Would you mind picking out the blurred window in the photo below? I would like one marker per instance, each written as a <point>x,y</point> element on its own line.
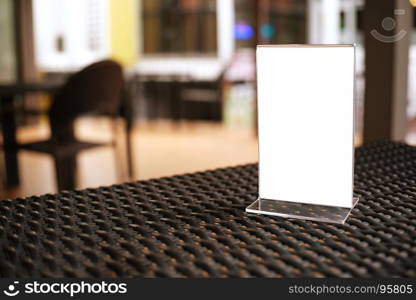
<point>279,21</point>
<point>245,17</point>
<point>70,34</point>
<point>283,22</point>
<point>179,27</point>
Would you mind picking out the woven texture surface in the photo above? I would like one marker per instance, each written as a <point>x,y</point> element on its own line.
<point>195,226</point>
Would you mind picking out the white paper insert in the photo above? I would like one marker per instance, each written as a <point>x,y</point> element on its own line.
<point>306,123</point>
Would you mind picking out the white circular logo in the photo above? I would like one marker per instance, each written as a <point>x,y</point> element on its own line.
<point>11,290</point>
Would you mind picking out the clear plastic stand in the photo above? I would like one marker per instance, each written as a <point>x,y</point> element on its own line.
<point>303,211</point>
<point>306,132</point>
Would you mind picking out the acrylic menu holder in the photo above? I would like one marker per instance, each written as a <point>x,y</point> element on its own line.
<point>306,132</point>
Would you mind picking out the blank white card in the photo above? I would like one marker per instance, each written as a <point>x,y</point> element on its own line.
<point>306,123</point>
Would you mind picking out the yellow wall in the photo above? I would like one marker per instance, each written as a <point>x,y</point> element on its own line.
<point>123,29</point>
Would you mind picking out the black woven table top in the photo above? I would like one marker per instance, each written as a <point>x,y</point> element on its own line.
<point>195,226</point>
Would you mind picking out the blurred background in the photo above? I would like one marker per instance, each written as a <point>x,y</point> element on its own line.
<point>186,98</point>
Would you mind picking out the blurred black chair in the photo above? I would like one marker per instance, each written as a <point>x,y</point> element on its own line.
<point>99,89</point>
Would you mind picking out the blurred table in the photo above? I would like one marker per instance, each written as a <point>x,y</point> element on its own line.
<point>195,226</point>
<point>163,81</point>
<point>8,92</point>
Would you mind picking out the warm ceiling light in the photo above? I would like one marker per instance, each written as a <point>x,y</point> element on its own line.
<point>413,2</point>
